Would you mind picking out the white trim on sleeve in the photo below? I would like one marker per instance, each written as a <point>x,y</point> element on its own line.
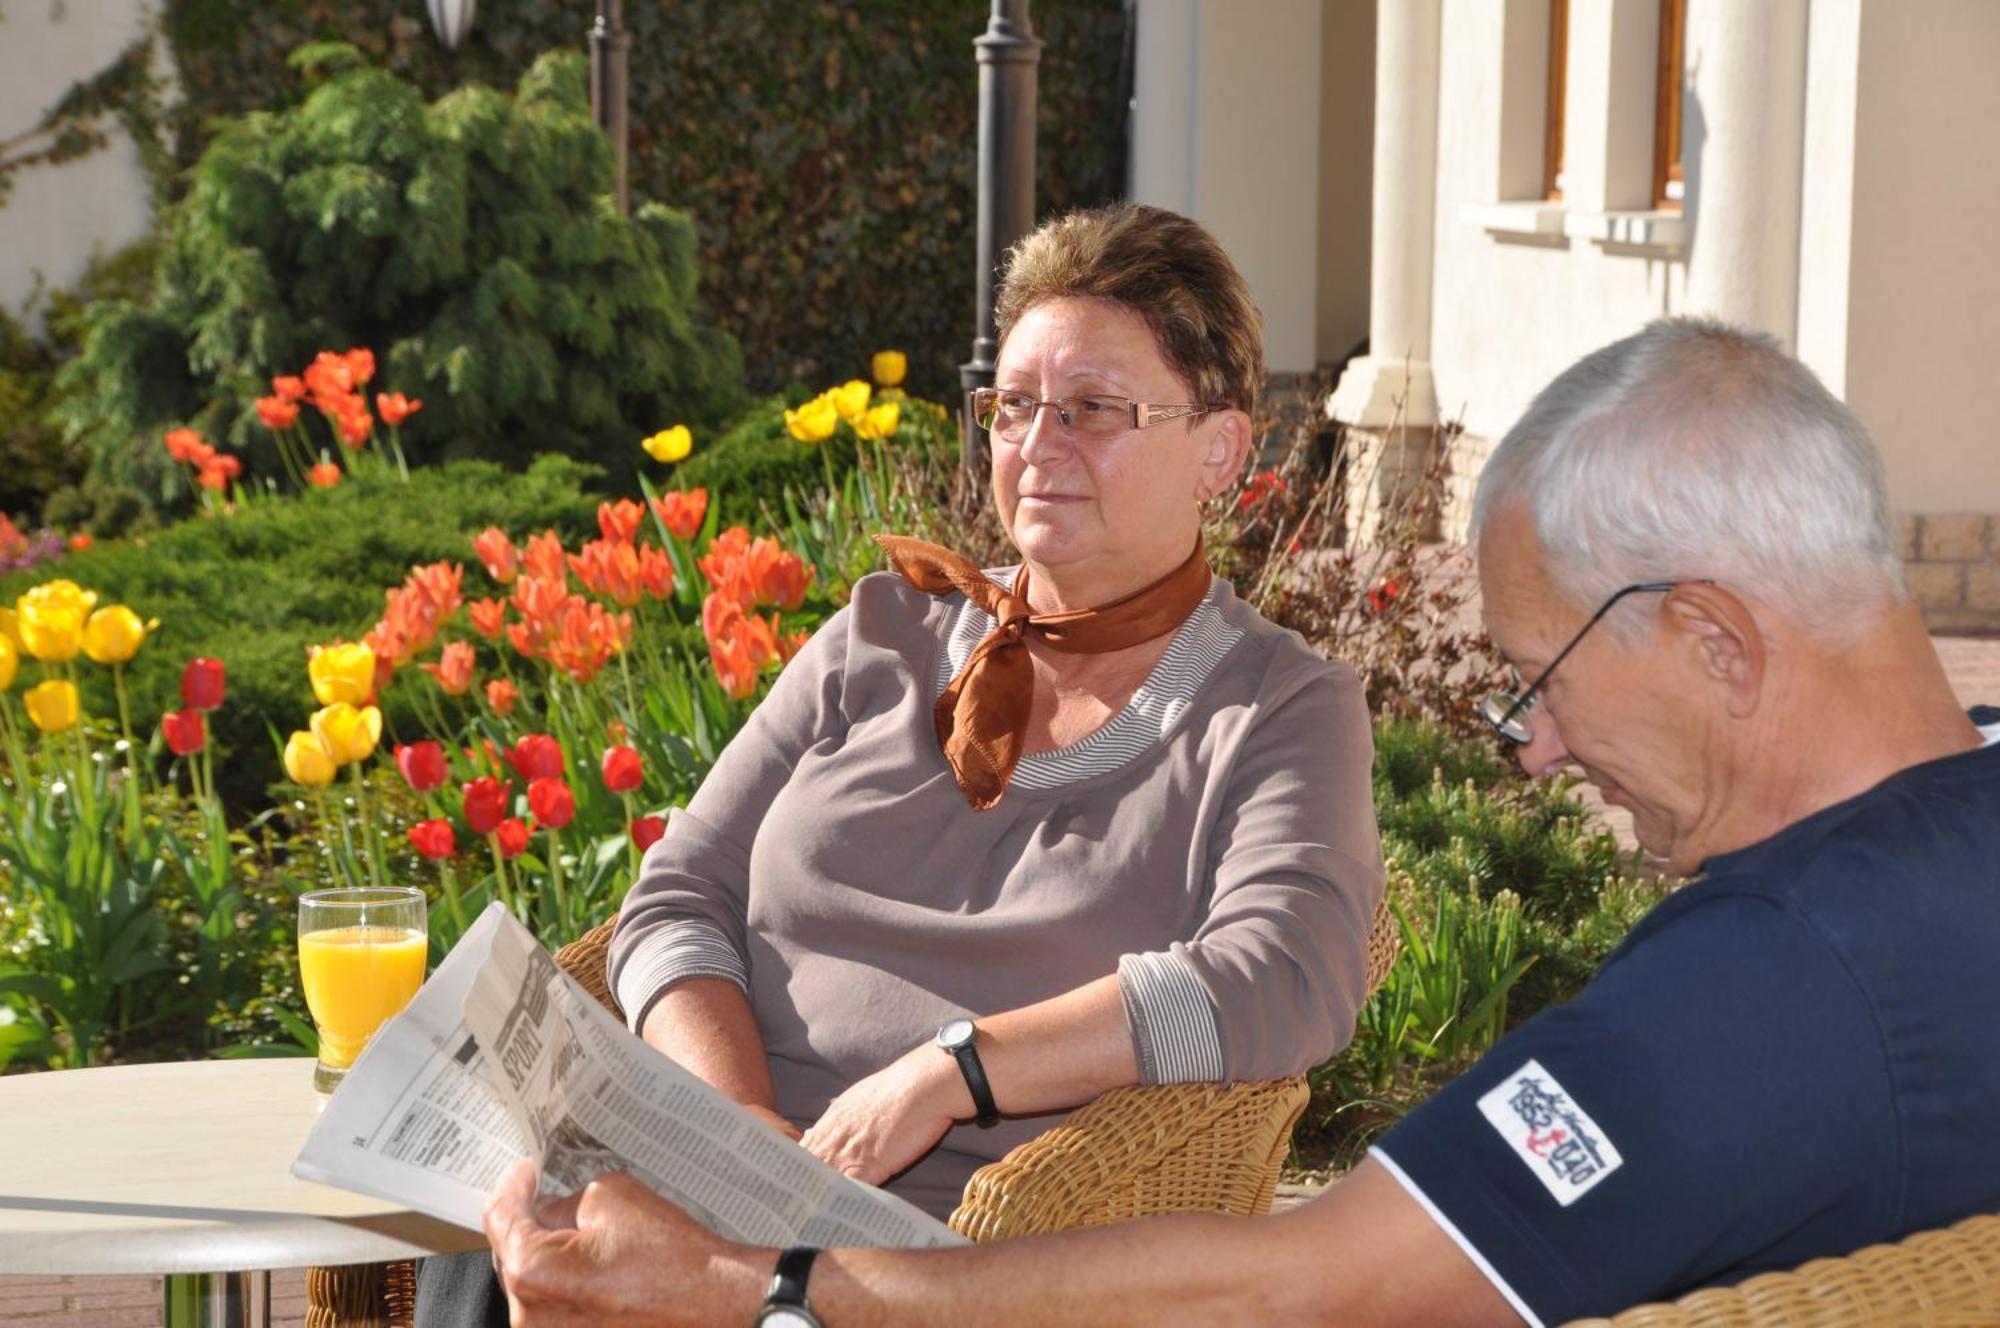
<point>1449,1228</point>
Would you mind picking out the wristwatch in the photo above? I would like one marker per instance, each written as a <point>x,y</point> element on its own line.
<point>785,1304</point>
<point>956,1038</point>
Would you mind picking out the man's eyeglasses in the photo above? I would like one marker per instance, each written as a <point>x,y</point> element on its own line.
<point>1508,712</point>
<point>1009,415</point>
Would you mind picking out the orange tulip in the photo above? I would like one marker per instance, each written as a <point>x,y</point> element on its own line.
<point>775,576</point>
<point>497,553</point>
<point>184,445</point>
<point>324,475</point>
<point>290,388</point>
<point>355,427</point>
<point>656,572</point>
<point>682,513</point>
<point>277,412</point>
<point>394,407</point>
<point>488,617</point>
<point>544,558</point>
<point>360,365</point>
<point>609,569</point>
<point>453,670</point>
<point>218,471</point>
<point>619,521</point>
<point>328,379</point>
<point>501,695</point>
<point>440,584</point>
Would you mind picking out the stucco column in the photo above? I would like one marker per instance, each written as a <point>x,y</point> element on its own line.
<point>1397,366</point>
<point>1743,142</point>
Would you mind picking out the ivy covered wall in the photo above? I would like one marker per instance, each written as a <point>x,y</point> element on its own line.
<point>826,151</point>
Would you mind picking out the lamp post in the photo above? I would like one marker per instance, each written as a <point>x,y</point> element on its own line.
<point>451,20</point>
<point>1008,53</point>
<point>610,46</point>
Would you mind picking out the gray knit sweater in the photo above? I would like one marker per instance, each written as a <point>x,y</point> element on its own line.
<point>1213,844</point>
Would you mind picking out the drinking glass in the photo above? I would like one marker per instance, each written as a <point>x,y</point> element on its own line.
<point>361,959</point>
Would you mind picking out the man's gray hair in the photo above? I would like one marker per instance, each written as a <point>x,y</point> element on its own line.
<point>1695,450</point>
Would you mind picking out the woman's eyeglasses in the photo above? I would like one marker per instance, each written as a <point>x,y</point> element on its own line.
<point>1009,415</point>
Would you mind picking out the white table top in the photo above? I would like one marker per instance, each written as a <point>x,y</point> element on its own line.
<point>183,1168</point>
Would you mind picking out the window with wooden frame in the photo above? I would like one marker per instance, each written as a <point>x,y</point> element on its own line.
<point>1668,177</point>
<point>1552,140</point>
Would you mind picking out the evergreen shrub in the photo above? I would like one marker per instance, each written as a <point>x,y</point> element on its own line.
<point>826,149</point>
<point>255,590</point>
<point>469,242</point>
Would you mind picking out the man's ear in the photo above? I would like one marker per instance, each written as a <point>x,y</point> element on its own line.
<point>1228,448</point>
<point>1728,642</point>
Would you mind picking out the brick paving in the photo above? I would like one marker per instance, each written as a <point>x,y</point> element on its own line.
<point>1972,663</point>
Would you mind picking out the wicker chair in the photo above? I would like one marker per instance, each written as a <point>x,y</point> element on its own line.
<point>1934,1279</point>
<point>1168,1148</point>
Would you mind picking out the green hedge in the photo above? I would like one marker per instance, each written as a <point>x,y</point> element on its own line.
<point>825,150</point>
<point>257,589</point>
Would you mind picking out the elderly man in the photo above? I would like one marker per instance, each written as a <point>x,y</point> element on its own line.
<point>1685,546</point>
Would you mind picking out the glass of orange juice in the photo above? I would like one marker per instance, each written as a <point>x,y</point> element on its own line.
<point>361,959</point>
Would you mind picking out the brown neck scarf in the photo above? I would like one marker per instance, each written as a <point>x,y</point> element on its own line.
<point>982,718</point>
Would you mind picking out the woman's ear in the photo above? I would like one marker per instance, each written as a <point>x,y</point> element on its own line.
<point>1228,448</point>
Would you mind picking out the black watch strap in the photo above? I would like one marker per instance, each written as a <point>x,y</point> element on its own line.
<point>969,1065</point>
<point>788,1283</point>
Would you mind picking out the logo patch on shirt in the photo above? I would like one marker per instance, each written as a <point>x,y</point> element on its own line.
<point>1554,1136</point>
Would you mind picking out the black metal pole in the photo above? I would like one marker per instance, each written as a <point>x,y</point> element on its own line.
<point>609,48</point>
<point>1008,53</point>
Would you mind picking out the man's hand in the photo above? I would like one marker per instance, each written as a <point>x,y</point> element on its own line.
<point>893,1117</point>
<point>614,1252</point>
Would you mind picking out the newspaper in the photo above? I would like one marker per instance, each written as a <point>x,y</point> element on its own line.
<point>502,1055</point>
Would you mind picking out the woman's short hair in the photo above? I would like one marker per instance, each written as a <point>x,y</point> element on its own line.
<point>1696,450</point>
<point>1163,267</point>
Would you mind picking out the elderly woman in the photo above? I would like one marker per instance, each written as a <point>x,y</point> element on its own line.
<point>998,842</point>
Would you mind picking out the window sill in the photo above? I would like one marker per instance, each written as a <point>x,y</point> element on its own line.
<point>1536,220</point>
<point>1652,234</point>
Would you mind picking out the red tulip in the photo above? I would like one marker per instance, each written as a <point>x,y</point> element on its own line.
<point>434,839</point>
<point>622,770</point>
<point>536,756</point>
<point>485,804</point>
<point>646,831</point>
<point>184,731</point>
<point>513,836</point>
<point>202,684</point>
<point>422,764</point>
<point>552,803</point>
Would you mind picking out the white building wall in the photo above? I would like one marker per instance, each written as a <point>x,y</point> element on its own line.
<point>58,216</point>
<point>1226,130</point>
<point>1512,305</point>
<point>1923,316</point>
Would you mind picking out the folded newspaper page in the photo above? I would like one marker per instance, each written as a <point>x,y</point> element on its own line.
<point>502,1055</point>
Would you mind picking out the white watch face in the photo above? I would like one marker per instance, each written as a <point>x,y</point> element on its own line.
<point>785,1316</point>
<point>958,1033</point>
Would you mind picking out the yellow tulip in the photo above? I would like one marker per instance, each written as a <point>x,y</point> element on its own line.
<point>52,706</point>
<point>10,662</point>
<point>348,734</point>
<point>51,618</point>
<point>307,762</point>
<point>851,398</point>
<point>113,635</point>
<point>342,673</point>
<point>879,421</point>
<point>815,421</point>
<point>669,445</point>
<point>10,629</point>
<point>888,367</point>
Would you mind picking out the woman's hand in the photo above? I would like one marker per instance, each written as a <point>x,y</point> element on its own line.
<point>893,1117</point>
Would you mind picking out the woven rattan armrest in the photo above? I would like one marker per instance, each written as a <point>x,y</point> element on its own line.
<point>1949,1278</point>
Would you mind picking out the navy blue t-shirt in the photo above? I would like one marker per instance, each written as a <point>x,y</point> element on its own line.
<point>1790,1058</point>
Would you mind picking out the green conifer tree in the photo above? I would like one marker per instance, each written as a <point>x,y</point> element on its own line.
<point>470,242</point>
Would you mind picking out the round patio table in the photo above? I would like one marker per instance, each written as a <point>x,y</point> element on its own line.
<point>185,1169</point>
